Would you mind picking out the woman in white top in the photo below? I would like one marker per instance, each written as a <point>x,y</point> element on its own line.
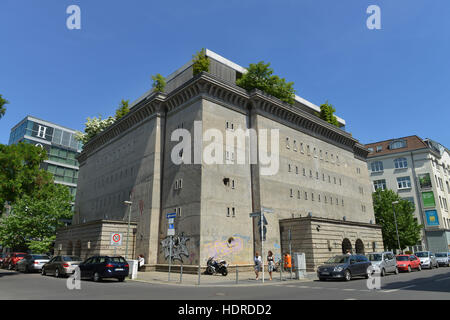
<point>141,261</point>
<point>258,262</point>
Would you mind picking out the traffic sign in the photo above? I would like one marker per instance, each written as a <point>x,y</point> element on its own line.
<point>171,221</point>
<point>171,226</point>
<point>116,239</point>
<point>170,232</point>
<point>171,215</point>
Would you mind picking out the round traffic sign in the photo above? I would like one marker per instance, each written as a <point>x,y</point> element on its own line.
<point>116,237</point>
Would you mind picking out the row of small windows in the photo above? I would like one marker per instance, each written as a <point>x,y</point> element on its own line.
<point>312,151</point>
<point>107,179</point>
<point>402,183</point>
<point>400,163</point>
<point>231,212</point>
<point>317,174</point>
<point>397,144</point>
<point>319,198</point>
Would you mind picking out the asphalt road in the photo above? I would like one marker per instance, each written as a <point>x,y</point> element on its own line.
<point>426,284</point>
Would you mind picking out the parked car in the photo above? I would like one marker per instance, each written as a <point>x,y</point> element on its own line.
<point>427,259</point>
<point>383,261</point>
<point>61,266</point>
<point>100,267</point>
<point>408,262</point>
<point>2,257</point>
<point>32,262</point>
<point>11,259</point>
<point>443,258</point>
<point>344,267</point>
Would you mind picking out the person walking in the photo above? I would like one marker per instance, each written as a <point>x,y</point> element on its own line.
<point>141,261</point>
<point>258,262</point>
<point>270,263</point>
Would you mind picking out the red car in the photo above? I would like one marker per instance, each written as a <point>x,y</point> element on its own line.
<point>407,262</point>
<point>11,259</point>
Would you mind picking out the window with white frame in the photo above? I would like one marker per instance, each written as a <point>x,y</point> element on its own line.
<point>401,163</point>
<point>379,184</point>
<point>397,144</point>
<point>404,182</point>
<point>377,166</point>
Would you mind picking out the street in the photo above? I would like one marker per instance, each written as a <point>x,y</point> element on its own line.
<point>426,284</point>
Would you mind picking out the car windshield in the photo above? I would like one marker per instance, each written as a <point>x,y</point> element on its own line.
<point>40,257</point>
<point>117,259</point>
<point>422,254</point>
<point>71,258</point>
<point>375,257</point>
<point>402,258</point>
<point>338,259</point>
<point>441,255</point>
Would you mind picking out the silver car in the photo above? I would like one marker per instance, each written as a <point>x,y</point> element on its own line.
<point>427,259</point>
<point>443,258</point>
<point>383,262</point>
<point>32,262</point>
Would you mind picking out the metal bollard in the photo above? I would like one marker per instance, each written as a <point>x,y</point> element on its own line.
<point>199,274</point>
<point>181,273</point>
<point>237,275</point>
<point>281,272</point>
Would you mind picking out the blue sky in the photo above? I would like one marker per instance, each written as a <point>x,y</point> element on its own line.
<point>386,83</point>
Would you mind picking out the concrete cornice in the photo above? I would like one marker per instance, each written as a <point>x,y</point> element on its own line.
<point>207,85</point>
<point>334,221</point>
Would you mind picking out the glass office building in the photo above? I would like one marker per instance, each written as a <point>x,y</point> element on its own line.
<point>60,144</point>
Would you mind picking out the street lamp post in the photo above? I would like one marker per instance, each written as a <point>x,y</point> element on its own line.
<point>396,227</point>
<point>128,203</point>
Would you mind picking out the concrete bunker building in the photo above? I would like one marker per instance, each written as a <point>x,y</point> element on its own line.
<point>321,191</point>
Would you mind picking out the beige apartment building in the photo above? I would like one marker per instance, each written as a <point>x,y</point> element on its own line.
<point>316,187</point>
<point>419,171</point>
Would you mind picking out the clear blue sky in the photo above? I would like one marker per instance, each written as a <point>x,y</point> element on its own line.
<point>385,83</point>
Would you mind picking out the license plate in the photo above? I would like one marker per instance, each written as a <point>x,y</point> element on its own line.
<point>325,273</point>
<point>119,269</point>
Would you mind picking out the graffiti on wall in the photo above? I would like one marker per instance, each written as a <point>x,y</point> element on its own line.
<point>221,249</point>
<point>179,248</point>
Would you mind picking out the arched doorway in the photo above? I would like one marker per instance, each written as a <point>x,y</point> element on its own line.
<point>359,246</point>
<point>78,249</point>
<point>346,246</point>
<point>69,248</point>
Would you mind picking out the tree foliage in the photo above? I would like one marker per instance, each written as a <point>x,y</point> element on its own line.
<point>2,106</point>
<point>327,113</point>
<point>34,219</point>
<point>94,126</point>
<point>159,83</point>
<point>201,62</point>
<point>122,110</point>
<point>408,228</point>
<point>20,172</point>
<point>260,76</point>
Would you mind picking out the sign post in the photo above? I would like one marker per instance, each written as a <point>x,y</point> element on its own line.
<point>262,222</point>
<point>116,240</point>
<point>170,232</point>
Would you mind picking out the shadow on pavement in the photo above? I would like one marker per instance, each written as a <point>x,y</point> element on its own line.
<point>5,273</point>
<point>435,283</point>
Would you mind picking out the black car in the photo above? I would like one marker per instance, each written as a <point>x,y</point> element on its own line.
<point>344,267</point>
<point>100,267</point>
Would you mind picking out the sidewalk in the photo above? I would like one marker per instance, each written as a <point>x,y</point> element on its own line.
<point>244,279</point>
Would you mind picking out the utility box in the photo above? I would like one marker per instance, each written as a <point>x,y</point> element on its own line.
<point>299,261</point>
<point>133,268</point>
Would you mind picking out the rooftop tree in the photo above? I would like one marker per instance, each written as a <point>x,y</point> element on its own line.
<point>2,106</point>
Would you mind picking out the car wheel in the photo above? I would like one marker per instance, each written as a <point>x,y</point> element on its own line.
<point>43,271</point>
<point>347,275</point>
<point>437,265</point>
<point>57,275</point>
<point>10,266</point>
<point>409,269</point>
<point>383,272</point>
<point>396,270</point>
<point>321,279</point>
<point>419,268</point>
<point>97,277</point>
<point>121,279</point>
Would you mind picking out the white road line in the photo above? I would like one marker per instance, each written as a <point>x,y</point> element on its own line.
<point>349,289</point>
<point>402,288</point>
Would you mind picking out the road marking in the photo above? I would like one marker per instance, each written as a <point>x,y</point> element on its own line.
<point>351,299</point>
<point>349,289</point>
<point>442,279</point>
<point>402,288</point>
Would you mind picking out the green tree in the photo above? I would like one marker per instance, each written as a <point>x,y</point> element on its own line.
<point>327,113</point>
<point>201,62</point>
<point>122,110</point>
<point>34,219</point>
<point>2,106</point>
<point>159,83</point>
<point>94,126</point>
<point>408,228</point>
<point>260,76</point>
<point>20,173</point>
